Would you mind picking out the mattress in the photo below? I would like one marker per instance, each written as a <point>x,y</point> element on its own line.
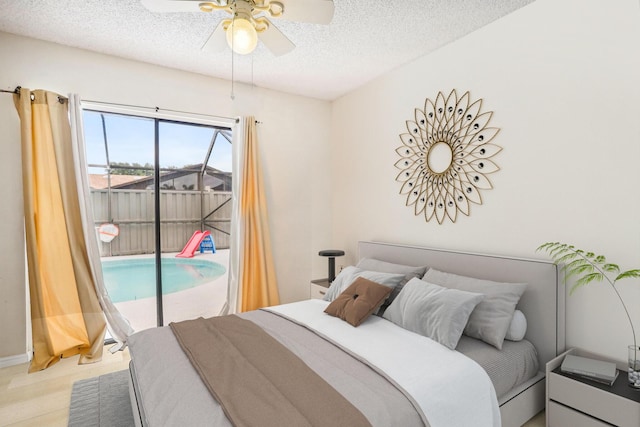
<point>168,391</point>
<point>516,363</point>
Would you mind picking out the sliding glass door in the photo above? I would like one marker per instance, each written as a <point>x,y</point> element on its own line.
<point>160,192</point>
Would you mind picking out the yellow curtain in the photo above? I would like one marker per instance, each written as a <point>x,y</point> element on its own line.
<point>65,313</point>
<point>257,276</point>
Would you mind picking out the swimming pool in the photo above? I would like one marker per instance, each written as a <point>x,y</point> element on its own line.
<point>132,279</point>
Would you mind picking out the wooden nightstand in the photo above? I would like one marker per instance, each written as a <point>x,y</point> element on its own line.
<point>573,401</point>
<point>318,288</point>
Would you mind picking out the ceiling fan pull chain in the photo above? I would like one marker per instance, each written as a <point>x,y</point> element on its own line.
<point>233,96</point>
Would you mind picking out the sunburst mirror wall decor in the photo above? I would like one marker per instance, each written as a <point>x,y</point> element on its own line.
<point>445,156</point>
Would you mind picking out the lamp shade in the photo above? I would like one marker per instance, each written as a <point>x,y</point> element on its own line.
<point>242,36</point>
<point>331,254</point>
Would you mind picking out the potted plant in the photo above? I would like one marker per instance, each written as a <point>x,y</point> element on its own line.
<point>587,267</point>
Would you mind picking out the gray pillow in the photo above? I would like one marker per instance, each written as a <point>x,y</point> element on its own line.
<point>387,267</point>
<point>433,311</point>
<point>348,274</point>
<point>491,318</point>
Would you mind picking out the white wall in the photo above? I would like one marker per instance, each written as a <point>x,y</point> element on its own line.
<point>563,80</point>
<point>293,145</point>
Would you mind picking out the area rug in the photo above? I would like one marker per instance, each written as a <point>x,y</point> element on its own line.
<point>101,401</point>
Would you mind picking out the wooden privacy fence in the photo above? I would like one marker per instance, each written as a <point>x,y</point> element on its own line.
<point>181,213</point>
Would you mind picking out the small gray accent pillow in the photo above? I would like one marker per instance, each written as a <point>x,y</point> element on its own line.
<point>491,318</point>
<point>409,272</point>
<point>348,274</point>
<point>433,311</point>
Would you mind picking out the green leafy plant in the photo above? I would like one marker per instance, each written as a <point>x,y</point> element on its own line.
<point>587,267</point>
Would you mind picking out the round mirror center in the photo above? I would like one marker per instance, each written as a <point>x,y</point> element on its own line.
<point>440,157</point>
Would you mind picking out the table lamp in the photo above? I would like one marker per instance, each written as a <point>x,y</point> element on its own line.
<point>331,254</point>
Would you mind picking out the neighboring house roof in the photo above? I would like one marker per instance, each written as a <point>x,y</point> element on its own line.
<point>99,181</point>
<point>214,178</point>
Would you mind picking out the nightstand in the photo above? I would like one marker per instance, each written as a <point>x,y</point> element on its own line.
<point>318,288</point>
<point>573,401</point>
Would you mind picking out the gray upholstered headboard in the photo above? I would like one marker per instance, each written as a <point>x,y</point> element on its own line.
<point>542,302</point>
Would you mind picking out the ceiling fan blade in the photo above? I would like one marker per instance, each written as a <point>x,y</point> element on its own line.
<point>217,41</point>
<point>172,5</point>
<point>276,41</point>
<point>312,11</point>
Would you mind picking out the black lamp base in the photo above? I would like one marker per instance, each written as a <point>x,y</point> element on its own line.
<point>331,254</point>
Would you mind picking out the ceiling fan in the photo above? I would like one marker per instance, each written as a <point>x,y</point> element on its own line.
<point>248,21</point>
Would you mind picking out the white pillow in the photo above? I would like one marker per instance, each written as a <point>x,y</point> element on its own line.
<point>433,311</point>
<point>517,328</point>
<point>349,274</point>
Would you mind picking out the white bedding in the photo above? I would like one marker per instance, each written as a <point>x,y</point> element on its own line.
<point>449,388</point>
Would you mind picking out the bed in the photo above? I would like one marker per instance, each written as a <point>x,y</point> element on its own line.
<point>356,363</point>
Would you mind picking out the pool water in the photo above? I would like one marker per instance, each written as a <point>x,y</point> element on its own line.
<point>132,279</point>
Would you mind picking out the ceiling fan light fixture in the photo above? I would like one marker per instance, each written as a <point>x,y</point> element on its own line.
<point>242,36</point>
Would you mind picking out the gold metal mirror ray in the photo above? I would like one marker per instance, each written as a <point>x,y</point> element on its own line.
<point>445,156</point>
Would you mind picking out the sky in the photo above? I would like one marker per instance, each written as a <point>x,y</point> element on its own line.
<point>130,140</point>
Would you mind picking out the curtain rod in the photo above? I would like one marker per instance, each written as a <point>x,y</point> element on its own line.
<point>156,109</point>
<point>16,91</point>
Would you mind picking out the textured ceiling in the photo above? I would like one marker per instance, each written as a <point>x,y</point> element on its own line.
<point>360,44</point>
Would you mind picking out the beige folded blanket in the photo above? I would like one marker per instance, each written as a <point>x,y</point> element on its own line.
<point>256,380</point>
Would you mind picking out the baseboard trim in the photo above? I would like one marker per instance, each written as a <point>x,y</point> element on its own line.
<point>13,360</point>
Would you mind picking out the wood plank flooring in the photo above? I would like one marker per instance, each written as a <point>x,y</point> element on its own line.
<point>42,398</point>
